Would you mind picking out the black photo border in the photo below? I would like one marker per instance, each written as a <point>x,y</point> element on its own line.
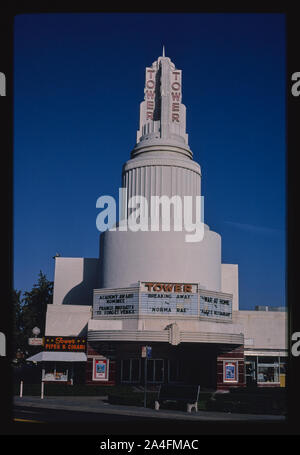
<point>138,431</point>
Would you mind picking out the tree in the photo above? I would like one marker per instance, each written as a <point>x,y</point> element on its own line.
<point>30,311</point>
<point>18,335</point>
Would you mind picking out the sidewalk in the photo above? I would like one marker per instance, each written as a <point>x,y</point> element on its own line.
<point>99,405</point>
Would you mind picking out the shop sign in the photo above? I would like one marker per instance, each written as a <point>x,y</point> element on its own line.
<point>65,344</point>
<point>36,341</point>
<point>100,369</point>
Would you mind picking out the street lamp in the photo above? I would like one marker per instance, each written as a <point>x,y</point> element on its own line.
<point>36,331</point>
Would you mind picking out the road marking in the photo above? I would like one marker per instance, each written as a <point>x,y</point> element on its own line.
<point>25,420</point>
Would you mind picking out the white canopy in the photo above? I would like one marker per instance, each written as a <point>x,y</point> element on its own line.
<point>50,356</point>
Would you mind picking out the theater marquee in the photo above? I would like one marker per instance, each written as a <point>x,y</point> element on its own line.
<point>169,299</point>
<point>163,299</point>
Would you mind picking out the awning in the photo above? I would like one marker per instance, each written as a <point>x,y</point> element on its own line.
<point>49,356</point>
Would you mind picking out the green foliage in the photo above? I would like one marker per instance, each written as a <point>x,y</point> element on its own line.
<point>18,334</point>
<point>30,311</point>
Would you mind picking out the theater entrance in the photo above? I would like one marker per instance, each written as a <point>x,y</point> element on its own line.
<point>186,363</point>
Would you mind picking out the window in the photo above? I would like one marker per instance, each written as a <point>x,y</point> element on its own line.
<point>155,370</point>
<point>283,365</point>
<point>55,372</point>
<point>159,371</point>
<point>175,371</point>
<point>135,370</point>
<point>268,373</point>
<point>130,370</point>
<point>268,370</point>
<point>268,360</point>
<point>282,370</point>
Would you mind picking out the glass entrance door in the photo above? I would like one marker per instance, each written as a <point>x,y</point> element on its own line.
<point>174,371</point>
<point>130,370</point>
<point>251,376</point>
<point>155,370</point>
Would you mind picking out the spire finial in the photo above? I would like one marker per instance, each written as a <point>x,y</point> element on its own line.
<point>163,54</point>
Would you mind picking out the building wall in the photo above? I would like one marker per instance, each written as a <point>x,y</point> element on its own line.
<point>74,280</point>
<point>263,329</point>
<point>128,257</point>
<point>230,282</point>
<point>161,322</point>
<point>67,320</point>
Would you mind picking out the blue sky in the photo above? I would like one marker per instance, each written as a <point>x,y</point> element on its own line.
<point>78,82</point>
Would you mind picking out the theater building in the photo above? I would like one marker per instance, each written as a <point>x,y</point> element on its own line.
<point>153,287</point>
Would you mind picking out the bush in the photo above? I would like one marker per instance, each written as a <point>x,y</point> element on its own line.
<point>260,401</point>
<point>134,399</point>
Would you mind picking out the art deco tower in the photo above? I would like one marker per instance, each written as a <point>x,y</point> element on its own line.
<point>161,164</point>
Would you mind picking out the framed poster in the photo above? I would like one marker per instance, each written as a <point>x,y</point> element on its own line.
<point>230,371</point>
<point>100,369</point>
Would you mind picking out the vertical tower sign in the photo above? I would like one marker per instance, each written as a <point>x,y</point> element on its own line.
<point>162,115</point>
<point>175,95</point>
<point>150,92</point>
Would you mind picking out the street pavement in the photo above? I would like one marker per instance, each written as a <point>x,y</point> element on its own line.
<point>79,408</point>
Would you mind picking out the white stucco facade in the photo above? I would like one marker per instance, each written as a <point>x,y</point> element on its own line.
<point>230,282</point>
<point>67,320</point>
<point>264,331</point>
<point>73,280</point>
<point>128,257</point>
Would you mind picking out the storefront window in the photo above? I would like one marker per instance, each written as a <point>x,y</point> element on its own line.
<point>155,370</point>
<point>55,371</point>
<point>283,365</point>
<point>174,370</point>
<point>130,371</point>
<point>159,370</point>
<point>268,360</point>
<point>125,370</point>
<point>135,370</point>
<point>150,370</point>
<point>268,370</point>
